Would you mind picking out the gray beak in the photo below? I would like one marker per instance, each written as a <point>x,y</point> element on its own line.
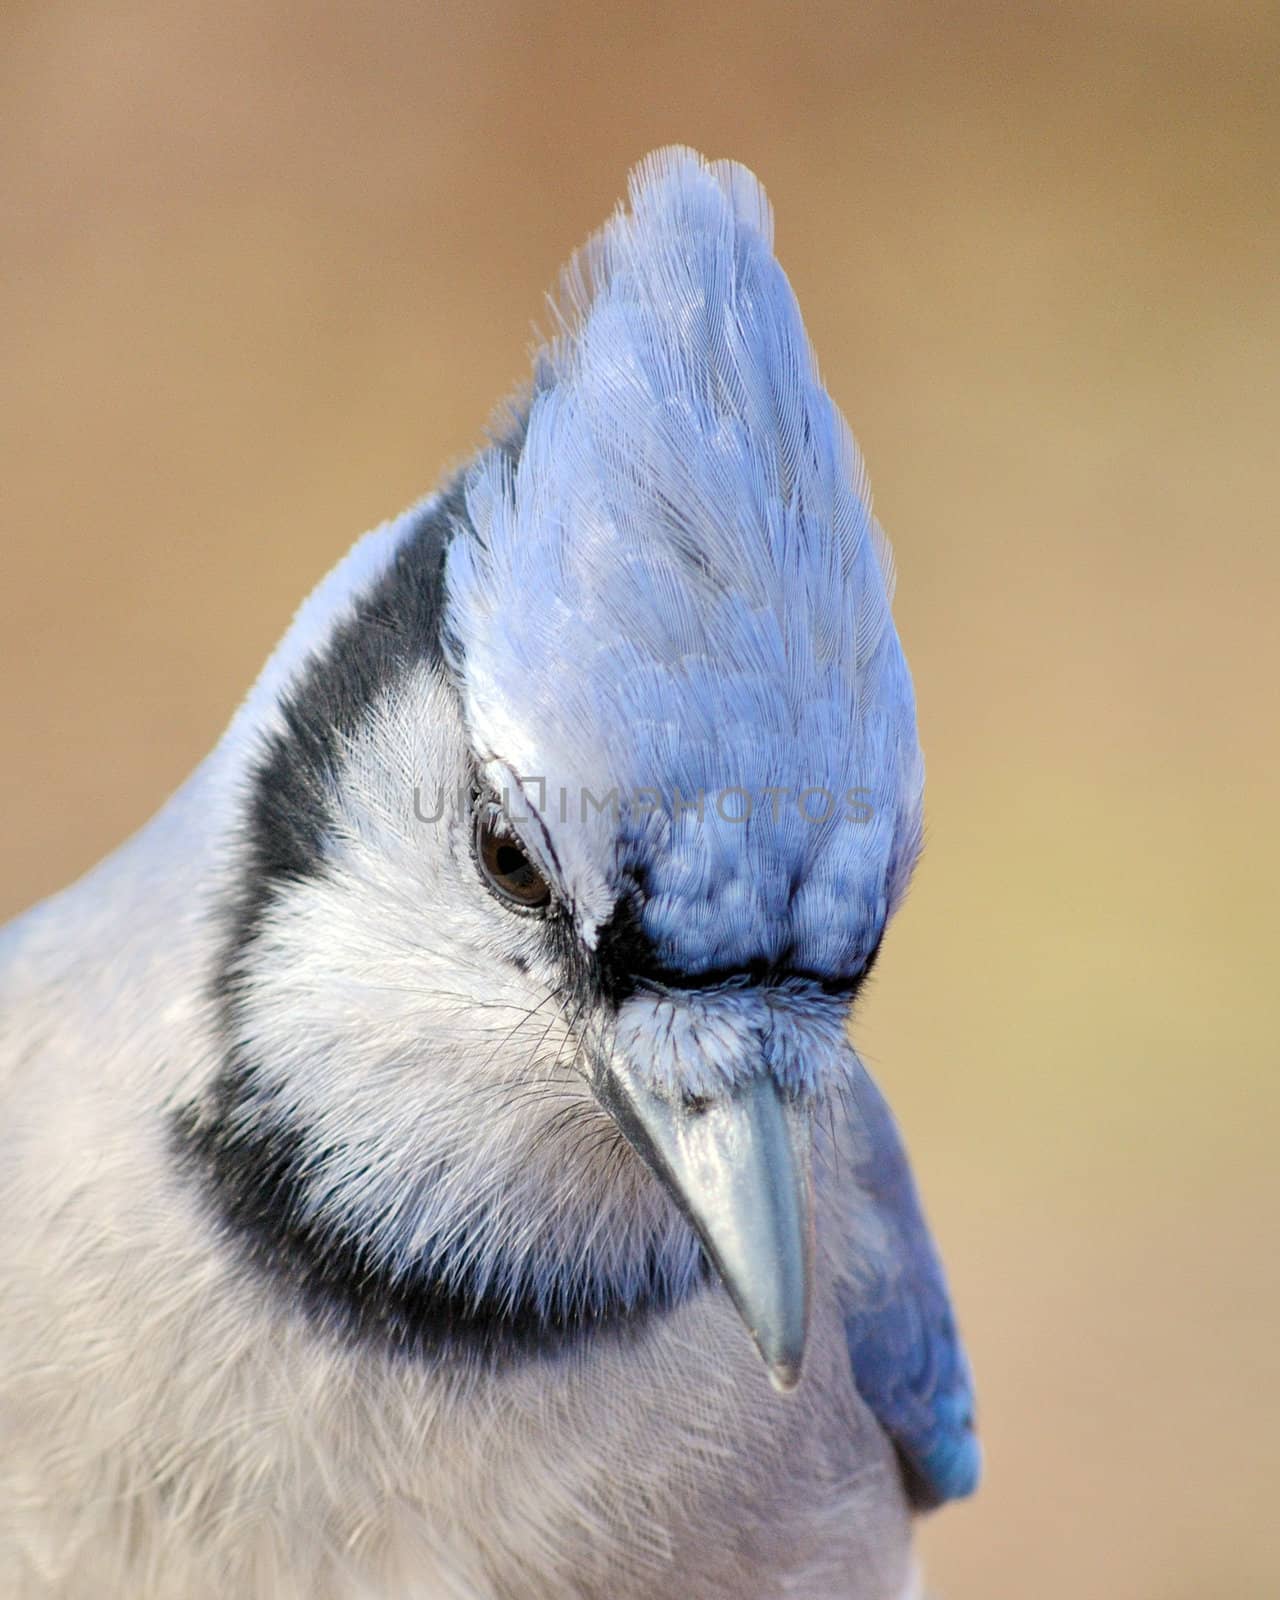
<point>739,1167</point>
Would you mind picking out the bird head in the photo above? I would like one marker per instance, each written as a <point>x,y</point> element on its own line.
<point>575,807</point>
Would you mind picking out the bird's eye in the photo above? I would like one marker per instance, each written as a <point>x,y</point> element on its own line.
<point>504,865</point>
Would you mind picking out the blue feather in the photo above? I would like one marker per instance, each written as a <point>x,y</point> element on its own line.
<point>908,1362</point>
<point>679,587</point>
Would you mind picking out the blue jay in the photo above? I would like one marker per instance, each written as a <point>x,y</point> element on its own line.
<point>433,1162</point>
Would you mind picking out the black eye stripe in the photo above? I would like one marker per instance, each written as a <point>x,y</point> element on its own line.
<point>626,960</point>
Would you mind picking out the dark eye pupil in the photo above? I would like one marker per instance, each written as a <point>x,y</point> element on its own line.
<point>505,867</point>
<point>510,862</point>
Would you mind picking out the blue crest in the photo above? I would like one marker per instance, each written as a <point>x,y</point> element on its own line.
<point>675,610</point>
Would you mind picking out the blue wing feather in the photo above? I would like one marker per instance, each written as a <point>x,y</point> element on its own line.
<point>908,1362</point>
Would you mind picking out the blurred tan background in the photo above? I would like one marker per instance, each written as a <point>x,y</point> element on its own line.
<point>266,269</point>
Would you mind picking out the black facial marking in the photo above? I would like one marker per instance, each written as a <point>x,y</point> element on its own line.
<point>624,951</point>
<point>256,1171</point>
<point>626,960</point>
<point>252,1163</point>
<point>393,628</point>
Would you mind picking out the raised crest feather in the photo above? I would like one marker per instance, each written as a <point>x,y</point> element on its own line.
<point>679,581</point>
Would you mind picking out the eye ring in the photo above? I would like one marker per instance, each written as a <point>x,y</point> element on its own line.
<point>504,865</point>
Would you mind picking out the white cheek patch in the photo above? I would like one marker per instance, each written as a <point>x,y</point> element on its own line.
<point>437,1082</point>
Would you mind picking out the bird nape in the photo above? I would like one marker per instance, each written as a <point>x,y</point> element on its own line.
<point>434,1158</point>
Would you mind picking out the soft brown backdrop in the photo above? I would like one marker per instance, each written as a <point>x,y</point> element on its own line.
<point>268,266</point>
